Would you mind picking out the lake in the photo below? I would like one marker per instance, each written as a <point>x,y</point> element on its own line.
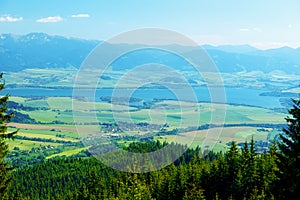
<point>241,96</point>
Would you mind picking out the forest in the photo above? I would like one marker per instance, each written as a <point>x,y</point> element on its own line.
<point>149,100</point>
<point>239,173</point>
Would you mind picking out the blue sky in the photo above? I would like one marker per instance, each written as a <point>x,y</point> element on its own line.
<point>261,23</point>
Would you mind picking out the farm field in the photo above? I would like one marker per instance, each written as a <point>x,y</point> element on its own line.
<point>60,109</point>
<point>27,145</point>
<point>65,78</point>
<point>217,139</point>
<point>55,123</point>
<point>68,152</point>
<point>105,100</point>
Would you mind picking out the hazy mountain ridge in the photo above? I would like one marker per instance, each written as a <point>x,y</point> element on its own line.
<point>39,50</point>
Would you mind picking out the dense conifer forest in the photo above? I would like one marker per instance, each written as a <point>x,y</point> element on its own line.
<point>239,173</point>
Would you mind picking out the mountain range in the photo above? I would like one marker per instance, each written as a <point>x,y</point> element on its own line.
<point>40,50</point>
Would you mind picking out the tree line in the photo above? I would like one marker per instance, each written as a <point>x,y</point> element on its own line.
<point>235,174</point>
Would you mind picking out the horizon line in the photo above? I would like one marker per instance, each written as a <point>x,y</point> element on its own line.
<point>200,44</point>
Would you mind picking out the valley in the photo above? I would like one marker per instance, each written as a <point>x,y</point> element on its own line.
<point>257,95</point>
<point>149,100</point>
<point>54,132</point>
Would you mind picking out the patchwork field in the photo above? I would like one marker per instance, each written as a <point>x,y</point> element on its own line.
<point>28,144</point>
<point>218,138</point>
<point>60,109</point>
<point>54,121</point>
<point>68,152</point>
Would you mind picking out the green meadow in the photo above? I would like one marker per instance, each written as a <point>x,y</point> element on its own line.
<point>55,121</point>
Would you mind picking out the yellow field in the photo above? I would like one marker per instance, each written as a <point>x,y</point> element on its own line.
<point>67,153</point>
<point>216,138</point>
<point>175,114</point>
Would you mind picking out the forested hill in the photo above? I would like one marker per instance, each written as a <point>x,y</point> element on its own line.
<point>234,175</point>
<point>39,50</point>
<point>239,173</point>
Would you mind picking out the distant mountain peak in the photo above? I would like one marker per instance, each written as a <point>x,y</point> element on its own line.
<point>243,48</point>
<point>42,37</point>
<point>40,50</point>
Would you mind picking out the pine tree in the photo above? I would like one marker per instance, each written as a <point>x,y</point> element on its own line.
<point>289,158</point>
<point>252,184</point>
<point>268,170</point>
<point>247,172</point>
<point>221,177</point>
<point>134,189</point>
<point>233,176</point>
<point>4,135</point>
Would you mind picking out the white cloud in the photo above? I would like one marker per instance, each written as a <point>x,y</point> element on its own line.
<point>81,16</point>
<point>294,25</point>
<point>244,29</point>
<point>7,18</point>
<point>256,29</point>
<point>50,19</point>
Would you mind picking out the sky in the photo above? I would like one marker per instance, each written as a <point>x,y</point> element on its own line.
<point>260,23</point>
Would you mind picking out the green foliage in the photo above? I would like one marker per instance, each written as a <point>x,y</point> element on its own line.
<point>5,118</point>
<point>289,158</point>
<point>235,174</point>
<point>217,176</point>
